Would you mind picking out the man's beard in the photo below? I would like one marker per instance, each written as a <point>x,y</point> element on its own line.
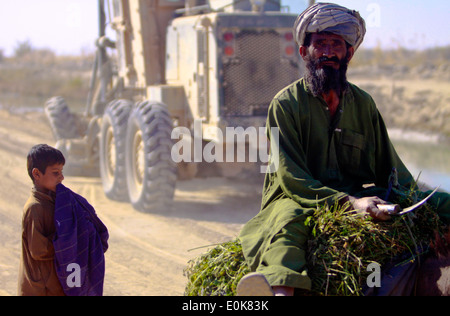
<point>323,79</point>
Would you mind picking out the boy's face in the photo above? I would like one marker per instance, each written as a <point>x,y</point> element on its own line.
<point>52,177</point>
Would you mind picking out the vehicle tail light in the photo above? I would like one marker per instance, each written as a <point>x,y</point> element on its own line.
<point>288,45</point>
<point>229,44</point>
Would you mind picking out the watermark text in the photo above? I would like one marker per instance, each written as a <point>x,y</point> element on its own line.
<point>240,145</point>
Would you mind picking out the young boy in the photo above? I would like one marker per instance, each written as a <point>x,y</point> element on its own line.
<point>63,240</point>
<point>37,274</point>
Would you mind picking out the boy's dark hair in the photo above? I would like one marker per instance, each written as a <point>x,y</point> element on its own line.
<point>41,156</point>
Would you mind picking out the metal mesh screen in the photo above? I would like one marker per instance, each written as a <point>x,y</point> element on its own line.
<point>256,73</point>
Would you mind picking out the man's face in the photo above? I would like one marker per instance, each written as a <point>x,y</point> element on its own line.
<point>329,49</point>
<point>326,60</point>
<point>50,179</point>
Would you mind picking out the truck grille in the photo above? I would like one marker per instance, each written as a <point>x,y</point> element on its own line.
<point>256,72</point>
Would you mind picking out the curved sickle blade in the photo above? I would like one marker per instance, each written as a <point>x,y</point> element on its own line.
<point>412,208</point>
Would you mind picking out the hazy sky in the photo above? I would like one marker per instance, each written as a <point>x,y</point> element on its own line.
<point>68,26</point>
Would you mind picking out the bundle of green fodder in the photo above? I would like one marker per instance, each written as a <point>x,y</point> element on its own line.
<point>341,246</point>
<point>217,272</point>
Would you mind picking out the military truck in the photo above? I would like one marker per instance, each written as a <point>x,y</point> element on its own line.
<point>163,65</point>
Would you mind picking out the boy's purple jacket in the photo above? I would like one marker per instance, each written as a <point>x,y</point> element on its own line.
<point>81,239</point>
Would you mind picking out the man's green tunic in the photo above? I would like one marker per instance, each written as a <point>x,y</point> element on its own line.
<point>321,160</point>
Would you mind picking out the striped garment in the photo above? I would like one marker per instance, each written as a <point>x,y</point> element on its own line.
<point>80,242</point>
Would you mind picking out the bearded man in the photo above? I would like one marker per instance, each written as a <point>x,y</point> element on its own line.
<point>333,144</point>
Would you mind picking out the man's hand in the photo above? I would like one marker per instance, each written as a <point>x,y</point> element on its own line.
<point>369,205</point>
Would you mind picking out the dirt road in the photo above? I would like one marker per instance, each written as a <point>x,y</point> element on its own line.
<point>148,252</point>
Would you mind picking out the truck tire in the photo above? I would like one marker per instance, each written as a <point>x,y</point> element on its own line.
<point>63,123</point>
<point>112,149</point>
<point>151,172</point>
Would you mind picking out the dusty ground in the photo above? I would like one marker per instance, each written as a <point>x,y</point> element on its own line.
<point>148,252</point>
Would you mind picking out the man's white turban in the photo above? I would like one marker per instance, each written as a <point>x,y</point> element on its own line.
<point>333,18</point>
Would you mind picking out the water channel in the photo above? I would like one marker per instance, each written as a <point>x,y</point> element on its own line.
<point>428,160</point>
